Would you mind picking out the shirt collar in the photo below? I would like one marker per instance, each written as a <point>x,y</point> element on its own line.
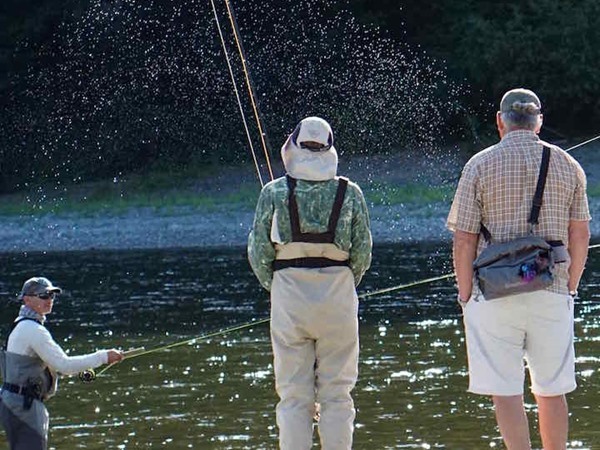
<point>521,135</point>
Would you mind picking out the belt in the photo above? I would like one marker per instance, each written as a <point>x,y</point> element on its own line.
<point>26,391</point>
<point>308,263</point>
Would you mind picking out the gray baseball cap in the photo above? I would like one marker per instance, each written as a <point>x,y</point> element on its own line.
<point>521,101</point>
<point>38,285</point>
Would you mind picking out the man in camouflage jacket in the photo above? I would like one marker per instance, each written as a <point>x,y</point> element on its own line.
<point>310,246</point>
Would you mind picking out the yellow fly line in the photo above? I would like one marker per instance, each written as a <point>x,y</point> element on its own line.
<point>405,286</point>
<point>89,375</point>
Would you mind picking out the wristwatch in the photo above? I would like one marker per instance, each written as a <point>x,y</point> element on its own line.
<point>573,294</point>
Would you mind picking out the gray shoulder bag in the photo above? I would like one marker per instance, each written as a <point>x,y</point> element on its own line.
<point>522,265</point>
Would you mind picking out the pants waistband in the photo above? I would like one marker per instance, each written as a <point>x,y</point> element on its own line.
<point>308,263</point>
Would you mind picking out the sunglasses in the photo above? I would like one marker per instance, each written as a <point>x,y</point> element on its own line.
<point>46,296</point>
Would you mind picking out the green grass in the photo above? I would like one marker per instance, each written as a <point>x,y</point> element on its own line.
<point>162,192</point>
<point>167,192</point>
<point>388,194</point>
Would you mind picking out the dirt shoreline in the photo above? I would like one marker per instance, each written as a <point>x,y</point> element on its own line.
<point>144,229</point>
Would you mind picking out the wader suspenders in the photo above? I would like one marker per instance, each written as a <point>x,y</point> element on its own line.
<point>14,325</point>
<point>29,392</point>
<point>327,237</point>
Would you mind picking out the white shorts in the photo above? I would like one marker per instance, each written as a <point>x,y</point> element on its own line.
<point>503,334</point>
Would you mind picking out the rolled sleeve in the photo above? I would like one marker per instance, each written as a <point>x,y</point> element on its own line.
<point>579,207</point>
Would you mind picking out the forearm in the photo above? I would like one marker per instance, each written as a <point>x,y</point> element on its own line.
<point>264,275</point>
<point>362,241</point>
<point>360,261</point>
<point>579,239</point>
<point>261,255</point>
<point>464,251</point>
<point>53,355</point>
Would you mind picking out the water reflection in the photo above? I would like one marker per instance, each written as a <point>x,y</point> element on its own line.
<point>218,392</point>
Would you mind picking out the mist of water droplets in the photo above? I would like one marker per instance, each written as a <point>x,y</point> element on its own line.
<point>128,84</point>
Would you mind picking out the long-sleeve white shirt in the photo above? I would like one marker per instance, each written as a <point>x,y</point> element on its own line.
<point>32,339</point>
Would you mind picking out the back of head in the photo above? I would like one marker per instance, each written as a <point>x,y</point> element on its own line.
<point>308,153</point>
<point>521,109</point>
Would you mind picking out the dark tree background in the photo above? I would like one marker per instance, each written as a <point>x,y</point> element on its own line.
<point>551,46</point>
<point>92,89</point>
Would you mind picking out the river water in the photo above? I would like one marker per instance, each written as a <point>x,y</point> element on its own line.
<point>218,393</point>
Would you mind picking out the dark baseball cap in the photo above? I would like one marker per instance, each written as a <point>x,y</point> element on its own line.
<point>521,101</point>
<point>38,285</point>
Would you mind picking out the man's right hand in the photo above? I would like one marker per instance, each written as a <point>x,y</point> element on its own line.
<point>115,356</point>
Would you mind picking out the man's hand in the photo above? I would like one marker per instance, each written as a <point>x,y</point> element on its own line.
<point>115,356</point>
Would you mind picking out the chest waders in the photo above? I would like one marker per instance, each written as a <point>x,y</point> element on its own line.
<point>27,383</point>
<point>314,333</point>
<point>328,237</point>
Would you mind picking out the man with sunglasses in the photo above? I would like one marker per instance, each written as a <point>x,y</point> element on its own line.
<point>310,246</point>
<point>30,363</point>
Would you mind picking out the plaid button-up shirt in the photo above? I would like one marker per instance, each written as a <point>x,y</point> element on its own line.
<point>496,189</point>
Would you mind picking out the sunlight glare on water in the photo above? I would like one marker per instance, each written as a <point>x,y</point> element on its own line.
<point>411,391</point>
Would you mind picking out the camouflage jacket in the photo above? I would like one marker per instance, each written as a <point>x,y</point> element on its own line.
<point>315,202</point>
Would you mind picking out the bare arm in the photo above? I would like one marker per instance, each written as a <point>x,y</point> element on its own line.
<point>579,240</point>
<point>464,251</point>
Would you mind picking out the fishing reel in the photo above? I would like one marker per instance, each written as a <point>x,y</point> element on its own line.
<point>87,376</point>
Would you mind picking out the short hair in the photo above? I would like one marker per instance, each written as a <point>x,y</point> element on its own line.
<point>520,109</point>
<point>513,120</point>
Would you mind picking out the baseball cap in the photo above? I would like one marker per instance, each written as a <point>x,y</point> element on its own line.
<point>313,129</point>
<point>38,285</point>
<point>522,101</point>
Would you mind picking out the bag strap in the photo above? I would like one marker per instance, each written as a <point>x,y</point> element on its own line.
<point>14,325</point>
<point>539,189</point>
<point>537,197</point>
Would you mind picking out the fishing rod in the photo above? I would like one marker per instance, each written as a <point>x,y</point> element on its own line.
<point>237,94</point>
<point>583,143</point>
<point>90,375</point>
<point>249,84</point>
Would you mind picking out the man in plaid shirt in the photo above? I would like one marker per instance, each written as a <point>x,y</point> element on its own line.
<point>496,190</point>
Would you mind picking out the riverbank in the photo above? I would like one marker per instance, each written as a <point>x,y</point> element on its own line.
<point>408,197</point>
<point>184,227</point>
